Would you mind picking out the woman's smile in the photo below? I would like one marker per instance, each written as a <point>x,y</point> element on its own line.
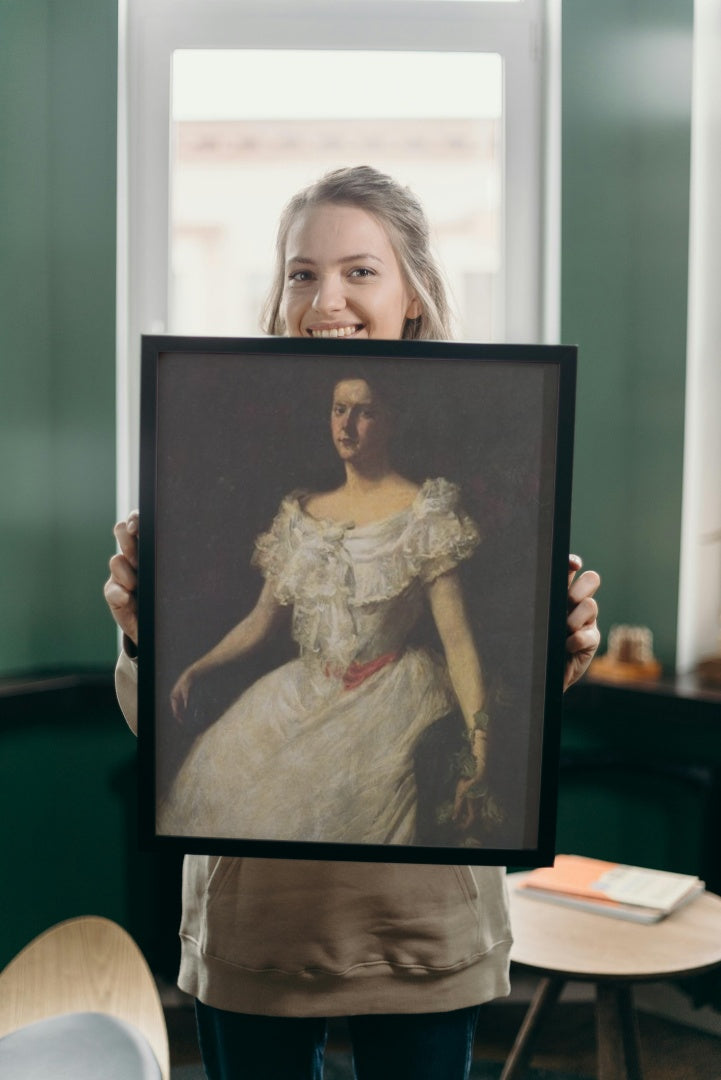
<point>335,331</point>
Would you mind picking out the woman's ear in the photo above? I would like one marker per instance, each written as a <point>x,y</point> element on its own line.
<point>415,309</point>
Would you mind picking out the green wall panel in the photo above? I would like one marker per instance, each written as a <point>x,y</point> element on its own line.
<point>58,75</point>
<point>626,145</point>
<point>69,801</point>
<point>68,846</point>
<point>641,778</point>
<point>26,490</point>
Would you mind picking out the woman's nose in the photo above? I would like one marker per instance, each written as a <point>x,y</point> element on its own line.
<point>329,295</point>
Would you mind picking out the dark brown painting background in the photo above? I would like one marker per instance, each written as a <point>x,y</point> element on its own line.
<point>237,433</point>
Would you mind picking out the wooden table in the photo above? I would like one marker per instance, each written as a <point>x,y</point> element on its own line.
<point>563,944</point>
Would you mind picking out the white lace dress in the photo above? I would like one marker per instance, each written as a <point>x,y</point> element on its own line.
<point>321,749</point>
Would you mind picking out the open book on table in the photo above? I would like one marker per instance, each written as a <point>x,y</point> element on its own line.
<point>609,888</point>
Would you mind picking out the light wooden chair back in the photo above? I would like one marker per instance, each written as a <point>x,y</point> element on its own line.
<point>88,964</point>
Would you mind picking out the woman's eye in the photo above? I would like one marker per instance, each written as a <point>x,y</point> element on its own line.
<point>300,276</point>
<point>362,272</point>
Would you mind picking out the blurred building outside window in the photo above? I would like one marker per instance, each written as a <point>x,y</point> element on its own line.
<point>235,163</point>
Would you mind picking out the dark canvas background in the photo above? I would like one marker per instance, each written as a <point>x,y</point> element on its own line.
<point>237,433</point>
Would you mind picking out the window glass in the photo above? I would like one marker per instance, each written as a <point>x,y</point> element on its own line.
<point>251,127</point>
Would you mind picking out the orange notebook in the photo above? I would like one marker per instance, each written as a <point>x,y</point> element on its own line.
<point>632,892</point>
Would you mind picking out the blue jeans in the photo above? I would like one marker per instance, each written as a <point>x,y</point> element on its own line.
<point>414,1046</point>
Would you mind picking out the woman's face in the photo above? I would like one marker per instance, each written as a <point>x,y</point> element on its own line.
<point>342,277</point>
<point>360,424</point>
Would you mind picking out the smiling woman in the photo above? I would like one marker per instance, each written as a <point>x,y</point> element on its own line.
<point>343,277</point>
<point>353,259</point>
<point>297,941</point>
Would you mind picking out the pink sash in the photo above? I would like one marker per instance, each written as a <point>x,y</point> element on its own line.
<point>357,673</point>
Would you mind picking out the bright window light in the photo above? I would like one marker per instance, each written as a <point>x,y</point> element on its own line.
<point>238,155</point>
<point>222,84</point>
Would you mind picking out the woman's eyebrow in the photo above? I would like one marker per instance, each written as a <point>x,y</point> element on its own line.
<point>361,257</point>
<point>299,259</point>
<point>353,404</point>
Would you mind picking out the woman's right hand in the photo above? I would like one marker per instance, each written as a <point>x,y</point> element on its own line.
<point>121,588</point>
<point>180,694</point>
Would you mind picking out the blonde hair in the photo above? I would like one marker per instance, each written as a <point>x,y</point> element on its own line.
<point>403,217</point>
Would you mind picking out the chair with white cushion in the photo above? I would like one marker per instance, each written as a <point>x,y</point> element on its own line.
<point>79,1002</point>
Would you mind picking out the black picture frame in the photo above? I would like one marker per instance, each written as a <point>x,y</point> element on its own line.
<point>231,426</point>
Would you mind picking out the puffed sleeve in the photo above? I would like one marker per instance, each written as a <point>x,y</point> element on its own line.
<point>441,534</point>
<point>299,558</point>
<point>273,548</point>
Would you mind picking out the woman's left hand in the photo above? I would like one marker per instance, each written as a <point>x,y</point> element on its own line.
<point>583,635</point>
<point>464,808</point>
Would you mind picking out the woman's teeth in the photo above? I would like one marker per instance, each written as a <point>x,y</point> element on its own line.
<point>336,332</point>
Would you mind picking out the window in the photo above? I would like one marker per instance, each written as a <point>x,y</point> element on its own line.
<point>227,107</point>
<point>236,161</point>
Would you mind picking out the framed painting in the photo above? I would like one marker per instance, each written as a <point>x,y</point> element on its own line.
<point>352,597</point>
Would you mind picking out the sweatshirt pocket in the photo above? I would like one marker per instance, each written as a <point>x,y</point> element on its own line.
<point>468,884</point>
<point>294,916</point>
<point>202,874</point>
<point>447,918</point>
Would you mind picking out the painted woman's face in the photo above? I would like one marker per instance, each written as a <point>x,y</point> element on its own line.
<point>359,423</point>
<point>342,277</point>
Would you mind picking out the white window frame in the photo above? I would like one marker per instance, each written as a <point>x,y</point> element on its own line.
<point>526,34</point>
<point>699,597</point>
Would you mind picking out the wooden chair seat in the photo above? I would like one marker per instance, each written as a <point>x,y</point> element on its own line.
<point>88,965</point>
